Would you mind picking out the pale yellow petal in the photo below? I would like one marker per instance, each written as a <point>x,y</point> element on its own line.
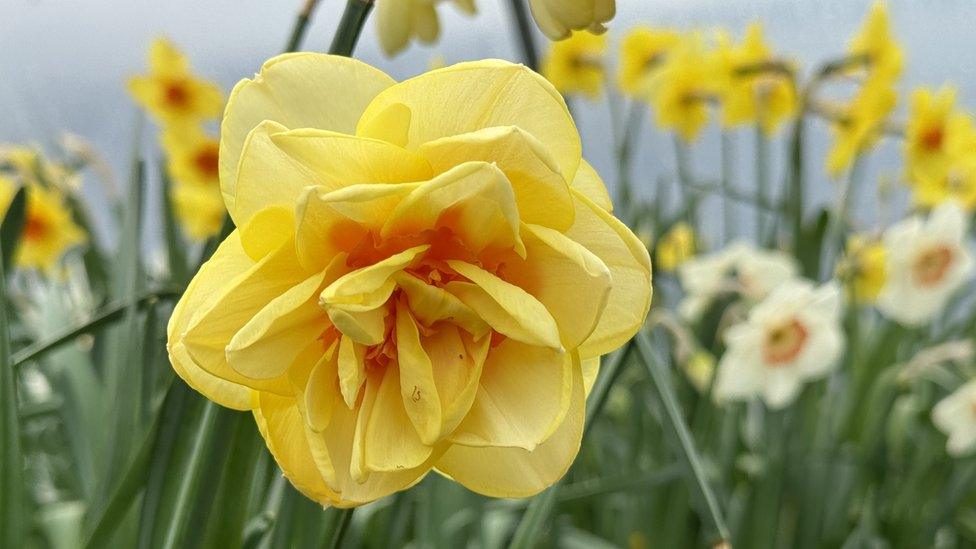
<point>508,309</point>
<point>522,399</point>
<point>515,472</point>
<point>369,287</point>
<point>321,392</point>
<point>391,443</point>
<point>431,304</point>
<point>297,90</point>
<point>470,96</point>
<point>589,183</point>
<point>474,200</point>
<point>630,268</point>
<point>416,374</point>
<point>458,360</point>
<point>351,369</point>
<point>541,192</point>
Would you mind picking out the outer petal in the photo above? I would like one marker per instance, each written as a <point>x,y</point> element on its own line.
<point>523,397</point>
<point>541,192</point>
<point>572,283</point>
<point>470,96</point>
<point>630,269</point>
<point>588,183</point>
<point>298,90</point>
<point>514,472</point>
<point>208,290</point>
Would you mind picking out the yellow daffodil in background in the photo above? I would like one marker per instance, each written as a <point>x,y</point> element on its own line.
<point>424,277</point>
<point>642,52</point>
<point>953,181</point>
<point>700,369</point>
<point>171,92</point>
<point>860,123</point>
<point>558,18</point>
<point>30,167</point>
<point>675,247</point>
<point>751,89</point>
<point>49,230</point>
<point>576,65</point>
<point>934,130</point>
<point>193,164</point>
<point>863,268</point>
<point>883,56</point>
<point>686,85</point>
<point>399,21</point>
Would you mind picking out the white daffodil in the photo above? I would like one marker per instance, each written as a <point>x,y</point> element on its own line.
<point>955,415</point>
<point>792,336</point>
<point>558,18</point>
<point>738,269</point>
<point>399,21</point>
<point>927,262</point>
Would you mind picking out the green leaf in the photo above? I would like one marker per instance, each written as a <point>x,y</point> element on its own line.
<point>13,516</point>
<point>711,515</point>
<point>175,247</point>
<point>226,527</point>
<point>13,227</point>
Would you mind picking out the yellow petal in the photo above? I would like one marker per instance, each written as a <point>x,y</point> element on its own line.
<point>330,222</point>
<point>298,90</point>
<point>268,230</point>
<point>391,443</point>
<point>473,199</point>
<point>523,397</point>
<point>320,392</point>
<point>588,183</point>
<point>569,280</point>
<point>369,287</point>
<point>340,159</point>
<point>271,340</point>
<point>417,388</point>
<point>470,96</point>
<point>630,268</point>
<point>541,192</point>
<point>431,304</point>
<point>364,327</point>
<point>283,430</point>
<point>392,125</point>
<point>266,175</point>
<point>515,472</point>
<point>351,369</point>
<point>209,291</point>
<point>508,309</point>
<point>458,360</point>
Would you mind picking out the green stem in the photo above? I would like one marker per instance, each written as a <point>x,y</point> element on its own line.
<point>762,179</point>
<point>342,528</point>
<point>523,28</point>
<point>727,170</point>
<point>301,25</point>
<point>12,512</point>
<point>350,27</point>
<point>625,151</point>
<point>833,244</point>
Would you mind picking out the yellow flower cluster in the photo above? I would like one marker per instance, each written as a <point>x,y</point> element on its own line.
<point>49,228</point>
<point>682,76</point>
<point>875,57</point>
<point>940,150</point>
<point>181,102</point>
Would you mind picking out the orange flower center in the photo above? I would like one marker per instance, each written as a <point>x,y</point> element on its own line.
<point>176,95</point>
<point>932,138</point>
<point>35,228</point>
<point>931,267</point>
<point>206,161</point>
<point>784,343</point>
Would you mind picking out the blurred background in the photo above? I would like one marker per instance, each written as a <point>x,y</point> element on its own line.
<point>63,65</point>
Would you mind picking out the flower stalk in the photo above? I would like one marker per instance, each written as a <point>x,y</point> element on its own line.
<point>350,27</point>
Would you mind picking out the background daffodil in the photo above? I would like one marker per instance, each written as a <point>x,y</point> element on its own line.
<point>49,230</point>
<point>558,18</point>
<point>576,65</point>
<point>170,91</point>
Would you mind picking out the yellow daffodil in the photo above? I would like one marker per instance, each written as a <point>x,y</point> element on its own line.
<point>864,267</point>
<point>752,90</point>
<point>49,230</point>
<point>936,130</point>
<point>860,123</point>
<point>558,18</point>
<point>883,56</point>
<point>171,92</point>
<point>575,66</point>
<point>399,21</point>
<point>675,247</point>
<point>424,276</point>
<point>686,84</point>
<point>700,368</point>
<point>955,180</point>
<point>642,53</point>
<point>193,163</point>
